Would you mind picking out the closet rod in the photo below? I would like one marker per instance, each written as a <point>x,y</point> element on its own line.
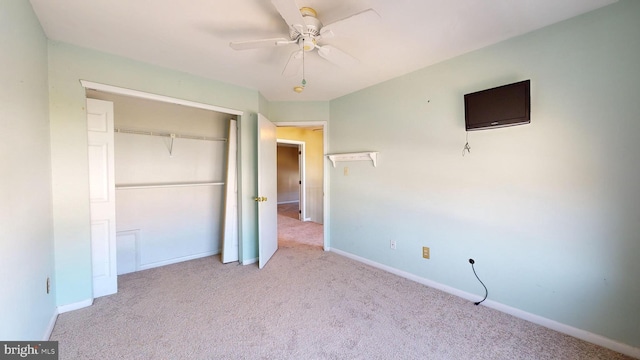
<point>155,186</point>
<point>166,134</point>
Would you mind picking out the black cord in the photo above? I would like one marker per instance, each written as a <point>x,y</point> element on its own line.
<point>486,292</point>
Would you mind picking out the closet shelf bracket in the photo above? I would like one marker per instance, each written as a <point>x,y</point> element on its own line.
<point>173,136</point>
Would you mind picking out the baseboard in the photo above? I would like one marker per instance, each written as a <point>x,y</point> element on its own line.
<point>52,324</point>
<point>250,261</point>
<point>177,260</point>
<point>75,306</point>
<point>548,323</point>
<point>287,202</point>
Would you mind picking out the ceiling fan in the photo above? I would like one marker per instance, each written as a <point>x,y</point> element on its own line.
<point>307,32</point>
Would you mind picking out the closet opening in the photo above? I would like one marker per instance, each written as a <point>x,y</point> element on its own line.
<point>175,173</point>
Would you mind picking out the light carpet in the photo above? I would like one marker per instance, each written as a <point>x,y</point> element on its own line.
<point>305,304</point>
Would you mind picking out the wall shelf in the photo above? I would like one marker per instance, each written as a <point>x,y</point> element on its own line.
<point>355,156</point>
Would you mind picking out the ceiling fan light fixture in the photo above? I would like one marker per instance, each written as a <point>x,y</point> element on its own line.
<point>308,43</point>
<point>307,11</point>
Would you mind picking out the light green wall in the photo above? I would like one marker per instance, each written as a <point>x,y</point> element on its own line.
<point>550,211</point>
<point>287,111</point>
<point>26,233</point>
<point>67,66</point>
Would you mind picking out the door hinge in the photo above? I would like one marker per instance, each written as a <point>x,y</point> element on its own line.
<point>300,182</point>
<point>299,211</point>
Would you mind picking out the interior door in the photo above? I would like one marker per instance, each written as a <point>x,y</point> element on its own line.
<point>267,191</point>
<point>102,192</point>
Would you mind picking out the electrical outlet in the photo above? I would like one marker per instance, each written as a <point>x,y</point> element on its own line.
<point>393,244</point>
<point>346,171</point>
<point>426,253</point>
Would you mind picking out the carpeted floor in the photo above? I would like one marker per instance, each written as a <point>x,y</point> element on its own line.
<point>305,304</point>
<point>289,210</point>
<point>292,231</point>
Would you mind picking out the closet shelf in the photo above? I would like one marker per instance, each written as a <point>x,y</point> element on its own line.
<point>167,134</point>
<point>354,156</point>
<point>165,185</point>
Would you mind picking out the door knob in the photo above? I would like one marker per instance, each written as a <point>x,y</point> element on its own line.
<point>260,199</point>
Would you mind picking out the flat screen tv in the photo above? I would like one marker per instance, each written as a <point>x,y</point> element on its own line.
<point>501,106</point>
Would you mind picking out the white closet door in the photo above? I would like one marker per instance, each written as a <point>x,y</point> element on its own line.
<point>102,192</point>
<point>230,248</point>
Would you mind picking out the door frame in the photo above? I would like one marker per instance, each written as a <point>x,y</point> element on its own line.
<point>325,172</point>
<point>302,196</point>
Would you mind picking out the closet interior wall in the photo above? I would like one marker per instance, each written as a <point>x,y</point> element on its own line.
<point>157,222</point>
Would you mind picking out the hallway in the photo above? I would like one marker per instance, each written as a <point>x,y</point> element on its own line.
<point>293,232</point>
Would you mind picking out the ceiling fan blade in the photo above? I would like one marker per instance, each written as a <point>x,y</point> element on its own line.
<point>363,18</point>
<point>293,64</point>
<point>290,12</point>
<point>254,44</point>
<point>336,56</point>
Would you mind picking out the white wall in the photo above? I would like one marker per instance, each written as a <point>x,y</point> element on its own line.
<point>26,233</point>
<point>550,211</point>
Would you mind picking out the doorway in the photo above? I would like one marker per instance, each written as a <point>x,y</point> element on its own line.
<point>291,178</point>
<point>301,184</point>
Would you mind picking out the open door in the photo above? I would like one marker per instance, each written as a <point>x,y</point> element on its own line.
<point>267,191</point>
<point>102,193</point>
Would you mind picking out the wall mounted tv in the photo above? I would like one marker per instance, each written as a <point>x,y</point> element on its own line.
<point>501,106</point>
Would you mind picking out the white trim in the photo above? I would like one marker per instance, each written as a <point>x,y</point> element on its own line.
<point>75,306</point>
<point>288,202</point>
<point>548,323</point>
<point>325,177</point>
<point>149,96</point>
<point>177,260</point>
<point>52,324</point>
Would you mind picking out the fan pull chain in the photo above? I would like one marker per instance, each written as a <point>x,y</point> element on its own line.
<point>304,81</point>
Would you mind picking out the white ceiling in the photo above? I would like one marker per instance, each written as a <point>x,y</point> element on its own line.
<point>193,36</point>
